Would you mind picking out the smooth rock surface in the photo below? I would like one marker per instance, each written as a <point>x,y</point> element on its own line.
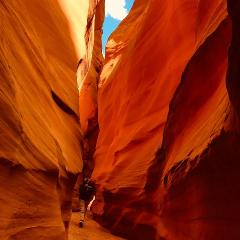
<point>167,154</point>
<point>157,121</point>
<point>41,43</point>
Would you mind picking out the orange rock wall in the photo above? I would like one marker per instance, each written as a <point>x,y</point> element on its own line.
<point>166,160</point>
<point>41,43</point>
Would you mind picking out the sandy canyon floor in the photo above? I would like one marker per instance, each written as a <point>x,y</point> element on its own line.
<point>91,231</point>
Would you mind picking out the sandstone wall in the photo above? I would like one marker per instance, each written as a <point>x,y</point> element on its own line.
<point>167,112</point>
<point>166,159</point>
<point>41,43</point>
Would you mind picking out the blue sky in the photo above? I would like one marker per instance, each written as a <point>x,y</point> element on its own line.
<point>116,11</point>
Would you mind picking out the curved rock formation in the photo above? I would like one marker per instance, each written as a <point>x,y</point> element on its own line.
<point>166,159</point>
<point>40,145</point>
<point>164,112</point>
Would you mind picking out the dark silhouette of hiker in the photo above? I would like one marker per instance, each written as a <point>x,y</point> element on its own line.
<point>87,192</point>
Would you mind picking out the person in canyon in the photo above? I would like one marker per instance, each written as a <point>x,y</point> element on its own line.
<point>87,191</point>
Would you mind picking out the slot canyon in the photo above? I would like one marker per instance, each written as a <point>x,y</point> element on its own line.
<point>154,122</point>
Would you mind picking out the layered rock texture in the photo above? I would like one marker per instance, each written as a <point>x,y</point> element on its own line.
<point>168,150</point>
<point>157,121</point>
<point>41,43</point>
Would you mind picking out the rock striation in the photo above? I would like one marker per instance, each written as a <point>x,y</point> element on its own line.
<point>41,43</point>
<point>166,159</point>
<point>159,118</point>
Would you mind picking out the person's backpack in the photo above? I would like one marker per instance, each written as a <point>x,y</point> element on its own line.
<point>87,191</point>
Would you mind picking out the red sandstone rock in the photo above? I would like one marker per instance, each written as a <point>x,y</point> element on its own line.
<point>166,159</point>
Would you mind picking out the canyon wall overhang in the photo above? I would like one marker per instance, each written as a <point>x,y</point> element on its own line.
<point>166,160</point>
<point>41,43</point>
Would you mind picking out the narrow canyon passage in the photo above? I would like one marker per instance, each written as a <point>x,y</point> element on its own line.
<point>153,121</point>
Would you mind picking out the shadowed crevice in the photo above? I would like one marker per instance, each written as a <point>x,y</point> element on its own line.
<point>233,74</point>
<point>61,104</point>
